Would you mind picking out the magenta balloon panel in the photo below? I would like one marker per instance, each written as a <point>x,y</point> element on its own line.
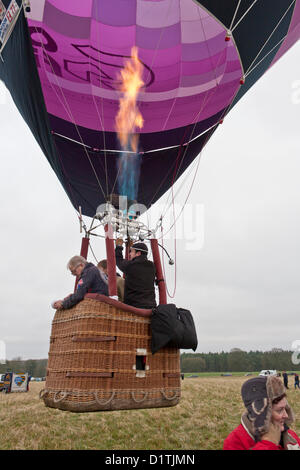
<point>62,65</point>
<point>190,71</point>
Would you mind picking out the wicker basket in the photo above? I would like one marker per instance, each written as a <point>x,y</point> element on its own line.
<point>100,359</point>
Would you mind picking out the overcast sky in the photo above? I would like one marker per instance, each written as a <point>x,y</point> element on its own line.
<point>238,242</point>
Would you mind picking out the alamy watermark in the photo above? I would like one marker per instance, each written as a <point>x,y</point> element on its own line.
<point>296,92</point>
<point>296,353</point>
<point>178,222</point>
<point>3,93</point>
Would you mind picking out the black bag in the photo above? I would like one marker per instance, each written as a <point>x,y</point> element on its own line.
<point>172,326</point>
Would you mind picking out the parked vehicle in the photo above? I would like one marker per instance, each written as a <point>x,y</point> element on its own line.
<point>267,372</point>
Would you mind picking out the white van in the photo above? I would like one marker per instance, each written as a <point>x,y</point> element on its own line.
<point>268,372</point>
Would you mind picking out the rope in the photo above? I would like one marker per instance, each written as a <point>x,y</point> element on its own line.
<point>196,119</point>
<point>187,146</point>
<point>90,246</point>
<point>69,112</point>
<point>208,136</point>
<point>188,174</point>
<point>148,76</point>
<point>256,65</point>
<point>266,42</point>
<point>143,399</point>
<point>68,182</point>
<point>43,393</point>
<point>64,395</point>
<point>167,174</point>
<point>176,97</point>
<point>198,164</point>
<point>228,108</point>
<point>223,115</point>
<point>180,149</point>
<point>102,112</point>
<point>175,264</point>
<point>116,179</point>
<point>105,402</point>
<point>189,193</point>
<point>169,398</point>
<point>235,13</point>
<point>243,16</point>
<point>203,105</point>
<point>159,40</point>
<point>177,168</point>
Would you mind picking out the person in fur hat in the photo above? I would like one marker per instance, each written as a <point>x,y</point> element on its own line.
<point>265,423</point>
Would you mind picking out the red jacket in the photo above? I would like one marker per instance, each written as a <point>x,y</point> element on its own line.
<point>239,439</point>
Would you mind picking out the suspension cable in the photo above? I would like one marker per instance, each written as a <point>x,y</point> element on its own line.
<point>244,15</point>
<point>101,118</point>
<point>266,42</point>
<point>234,16</point>
<point>163,265</point>
<point>69,112</point>
<point>265,56</point>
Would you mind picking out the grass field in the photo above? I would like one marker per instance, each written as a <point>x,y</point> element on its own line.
<point>209,409</point>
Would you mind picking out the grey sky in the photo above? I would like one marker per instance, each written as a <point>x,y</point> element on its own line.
<point>242,285</point>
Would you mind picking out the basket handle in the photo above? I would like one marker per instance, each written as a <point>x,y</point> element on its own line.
<point>64,395</point>
<point>139,401</point>
<point>105,402</point>
<point>169,398</point>
<point>43,393</point>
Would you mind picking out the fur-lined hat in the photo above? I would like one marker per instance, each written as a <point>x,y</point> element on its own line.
<point>258,395</point>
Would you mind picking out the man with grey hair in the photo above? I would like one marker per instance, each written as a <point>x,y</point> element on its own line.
<point>89,280</point>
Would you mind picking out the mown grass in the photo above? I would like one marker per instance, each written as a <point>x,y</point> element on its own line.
<point>209,409</point>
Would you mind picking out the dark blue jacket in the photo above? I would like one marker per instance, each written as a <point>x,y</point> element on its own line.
<point>89,281</point>
<point>139,280</point>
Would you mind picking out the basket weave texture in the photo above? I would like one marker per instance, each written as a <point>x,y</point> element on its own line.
<point>100,359</point>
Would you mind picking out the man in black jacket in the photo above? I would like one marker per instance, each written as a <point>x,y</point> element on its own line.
<point>285,379</point>
<point>139,275</point>
<point>89,280</point>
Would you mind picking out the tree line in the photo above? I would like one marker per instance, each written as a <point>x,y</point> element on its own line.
<point>237,361</point>
<point>35,367</point>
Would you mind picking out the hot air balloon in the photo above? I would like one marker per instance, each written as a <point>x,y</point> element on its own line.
<point>62,63</point>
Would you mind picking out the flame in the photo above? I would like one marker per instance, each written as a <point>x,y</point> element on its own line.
<point>129,118</point>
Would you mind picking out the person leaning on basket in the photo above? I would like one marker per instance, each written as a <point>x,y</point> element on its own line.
<point>139,290</point>
<point>264,425</point>
<point>89,280</point>
<point>102,266</point>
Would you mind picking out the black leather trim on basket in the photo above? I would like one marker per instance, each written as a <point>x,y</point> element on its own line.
<point>81,339</point>
<point>171,374</point>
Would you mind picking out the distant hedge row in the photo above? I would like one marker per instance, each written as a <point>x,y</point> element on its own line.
<point>35,367</point>
<point>237,361</point>
<point>234,361</point>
